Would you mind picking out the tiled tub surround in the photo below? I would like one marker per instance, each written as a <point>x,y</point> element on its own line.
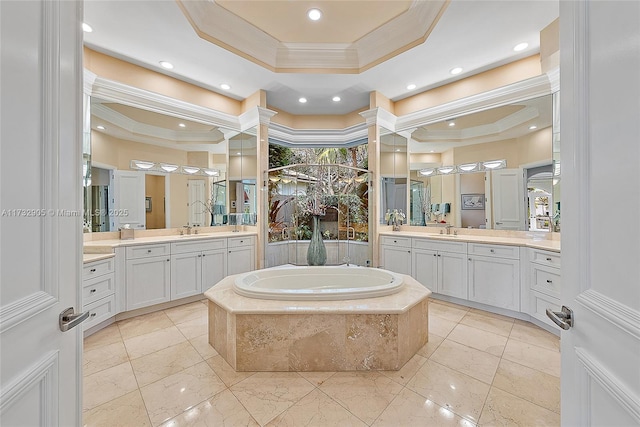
<point>380,333</point>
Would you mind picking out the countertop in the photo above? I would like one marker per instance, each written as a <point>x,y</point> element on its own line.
<point>107,246</point>
<point>95,257</point>
<point>530,242</point>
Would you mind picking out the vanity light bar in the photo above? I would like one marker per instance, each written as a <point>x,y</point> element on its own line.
<point>465,168</point>
<point>171,168</point>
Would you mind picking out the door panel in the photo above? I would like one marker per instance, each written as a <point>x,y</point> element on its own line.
<point>41,222</point>
<point>508,199</point>
<point>129,199</point>
<point>197,201</point>
<point>186,275</point>
<point>214,266</point>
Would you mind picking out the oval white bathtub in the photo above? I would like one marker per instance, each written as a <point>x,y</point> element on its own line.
<point>317,283</point>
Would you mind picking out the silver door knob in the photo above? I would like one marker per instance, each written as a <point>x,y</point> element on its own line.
<point>563,318</point>
<point>68,320</point>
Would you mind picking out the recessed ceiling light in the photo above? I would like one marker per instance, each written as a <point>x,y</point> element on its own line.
<point>100,127</point>
<point>182,125</point>
<point>336,99</point>
<point>456,70</point>
<point>86,28</point>
<point>452,124</point>
<point>225,86</point>
<point>520,46</point>
<point>314,14</point>
<point>302,100</point>
<point>167,65</point>
<point>397,150</point>
<point>532,127</point>
<point>412,86</point>
<point>238,153</point>
<point>432,151</point>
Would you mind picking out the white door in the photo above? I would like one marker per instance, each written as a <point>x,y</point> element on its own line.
<point>129,193</point>
<point>197,217</point>
<point>508,199</point>
<point>600,106</point>
<point>41,204</point>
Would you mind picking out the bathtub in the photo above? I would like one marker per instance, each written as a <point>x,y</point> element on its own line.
<point>318,283</point>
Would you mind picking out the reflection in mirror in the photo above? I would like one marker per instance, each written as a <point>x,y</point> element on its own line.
<point>162,196</point>
<point>243,157</point>
<point>520,132</point>
<point>393,174</point>
<point>555,213</point>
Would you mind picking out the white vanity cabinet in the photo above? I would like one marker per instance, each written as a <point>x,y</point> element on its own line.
<point>98,291</point>
<point>148,275</point>
<point>241,256</point>
<point>196,266</point>
<point>441,266</point>
<point>542,290</point>
<point>395,254</point>
<point>494,275</point>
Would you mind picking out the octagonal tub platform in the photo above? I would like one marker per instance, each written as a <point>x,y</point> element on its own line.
<point>379,333</point>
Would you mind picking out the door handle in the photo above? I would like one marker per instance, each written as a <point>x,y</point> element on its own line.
<point>563,318</point>
<point>68,320</point>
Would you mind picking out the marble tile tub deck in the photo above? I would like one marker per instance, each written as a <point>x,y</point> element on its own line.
<point>159,370</point>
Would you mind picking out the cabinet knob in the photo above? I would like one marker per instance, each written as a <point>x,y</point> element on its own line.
<point>408,252</point>
<point>93,270</point>
<point>148,251</point>
<point>548,259</point>
<point>92,315</point>
<point>434,254</point>
<point>469,259</point>
<point>492,251</point>
<point>204,255</point>
<point>395,241</point>
<point>168,260</point>
<point>199,256</point>
<point>241,241</point>
<point>549,281</point>
<point>92,291</point>
<point>438,254</point>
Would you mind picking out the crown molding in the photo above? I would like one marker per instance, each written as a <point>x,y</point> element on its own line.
<point>554,79</point>
<point>254,117</point>
<point>381,117</point>
<point>349,136</point>
<point>520,91</point>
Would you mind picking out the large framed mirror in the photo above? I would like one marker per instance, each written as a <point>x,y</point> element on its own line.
<point>452,183</point>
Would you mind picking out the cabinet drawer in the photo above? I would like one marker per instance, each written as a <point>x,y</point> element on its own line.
<point>236,242</point>
<point>500,251</point>
<point>98,268</point>
<point>546,280</point>
<point>404,242</point>
<point>146,251</point>
<point>100,311</point>
<point>538,305</point>
<point>97,288</point>
<point>440,246</point>
<point>551,259</point>
<point>199,246</point>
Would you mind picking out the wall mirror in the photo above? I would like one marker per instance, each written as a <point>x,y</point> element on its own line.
<point>517,197</point>
<point>393,173</point>
<point>180,177</point>
<point>243,157</point>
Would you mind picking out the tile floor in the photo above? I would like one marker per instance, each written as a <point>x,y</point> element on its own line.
<point>477,369</point>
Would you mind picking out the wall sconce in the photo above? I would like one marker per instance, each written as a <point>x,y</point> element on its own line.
<point>190,170</point>
<point>171,168</point>
<point>465,168</point>
<point>445,170</point>
<point>274,178</point>
<point>141,165</point>
<point>427,172</point>
<point>469,167</point>
<point>211,172</point>
<point>494,164</point>
<point>168,167</point>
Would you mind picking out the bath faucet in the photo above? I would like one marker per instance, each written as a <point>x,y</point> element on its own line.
<point>187,228</point>
<point>449,227</point>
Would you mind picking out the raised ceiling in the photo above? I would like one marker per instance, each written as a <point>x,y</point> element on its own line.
<point>475,35</point>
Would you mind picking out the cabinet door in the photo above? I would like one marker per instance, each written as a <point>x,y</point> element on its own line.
<point>425,268</point>
<point>495,281</point>
<point>186,275</point>
<point>240,260</point>
<point>148,281</point>
<point>396,259</point>
<point>214,266</point>
<point>452,274</point>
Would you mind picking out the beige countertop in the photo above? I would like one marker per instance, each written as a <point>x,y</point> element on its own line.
<point>529,242</point>
<point>95,257</point>
<point>107,246</point>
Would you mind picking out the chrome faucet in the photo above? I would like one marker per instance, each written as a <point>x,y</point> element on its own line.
<point>187,228</point>
<point>449,227</point>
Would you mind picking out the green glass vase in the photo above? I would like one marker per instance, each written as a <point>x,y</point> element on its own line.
<point>317,253</point>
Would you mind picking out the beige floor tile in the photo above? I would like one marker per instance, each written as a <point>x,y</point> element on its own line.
<point>268,394</point>
<point>364,394</point>
<point>504,409</point>
<point>195,327</point>
<point>531,334</point>
<point>431,346</point>
<point>535,357</point>
<point>202,346</point>
<point>103,357</point>
<point>450,304</point>
<point>411,409</point>
<point>176,393</point>
<point>404,374</point>
<point>316,378</point>
<point>448,312</point>
<point>150,343</point>
<point>529,384</point>
<point>493,315</point>
<point>144,324</point>
<point>186,312</point>
<point>222,410</point>
<point>226,373</point>
<point>475,363</point>
<point>450,389</point>
<point>440,326</point>
<point>478,339</point>
<point>107,385</point>
<point>125,411</point>
<point>165,362</point>
<point>106,336</point>
<point>488,323</point>
<point>316,409</point>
